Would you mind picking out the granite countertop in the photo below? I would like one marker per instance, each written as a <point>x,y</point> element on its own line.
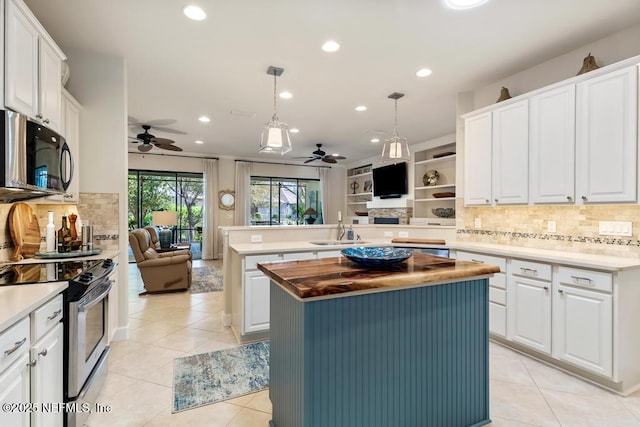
<point>17,302</point>
<point>576,259</point>
<point>294,246</point>
<point>337,275</point>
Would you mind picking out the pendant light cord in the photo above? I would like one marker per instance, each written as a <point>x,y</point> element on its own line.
<point>275,112</point>
<point>395,126</point>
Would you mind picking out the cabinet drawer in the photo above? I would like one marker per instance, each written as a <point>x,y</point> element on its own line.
<point>499,280</point>
<point>498,296</point>
<point>46,317</point>
<point>298,255</point>
<point>535,270</point>
<point>487,259</point>
<point>14,342</point>
<point>589,279</point>
<point>251,261</point>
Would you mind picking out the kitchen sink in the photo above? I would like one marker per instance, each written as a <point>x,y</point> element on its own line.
<point>337,242</point>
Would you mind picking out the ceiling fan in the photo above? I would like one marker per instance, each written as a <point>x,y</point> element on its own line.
<point>149,141</point>
<point>320,154</point>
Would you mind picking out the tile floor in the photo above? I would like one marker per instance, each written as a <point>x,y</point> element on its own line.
<point>524,392</point>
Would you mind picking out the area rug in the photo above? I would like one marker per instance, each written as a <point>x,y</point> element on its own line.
<point>206,279</point>
<point>208,378</point>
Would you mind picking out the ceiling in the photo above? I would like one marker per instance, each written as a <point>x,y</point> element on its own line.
<point>180,69</point>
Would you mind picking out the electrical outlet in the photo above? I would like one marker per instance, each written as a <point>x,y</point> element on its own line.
<point>477,223</point>
<point>256,238</point>
<point>403,234</point>
<point>388,234</point>
<point>551,226</point>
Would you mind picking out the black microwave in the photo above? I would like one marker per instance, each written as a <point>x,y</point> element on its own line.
<point>37,160</point>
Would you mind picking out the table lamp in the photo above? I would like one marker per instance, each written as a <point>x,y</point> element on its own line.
<point>310,219</point>
<point>165,220</point>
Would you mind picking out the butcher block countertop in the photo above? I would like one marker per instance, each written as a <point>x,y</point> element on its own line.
<point>337,276</point>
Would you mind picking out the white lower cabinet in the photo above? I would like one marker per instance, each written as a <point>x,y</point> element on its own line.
<point>529,314</point>
<point>583,322</point>
<point>256,302</point>
<point>46,381</point>
<point>14,388</point>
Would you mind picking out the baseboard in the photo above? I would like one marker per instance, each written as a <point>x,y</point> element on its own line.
<point>121,333</point>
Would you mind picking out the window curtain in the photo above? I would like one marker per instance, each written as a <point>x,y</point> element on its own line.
<point>210,216</point>
<point>243,192</point>
<point>324,191</point>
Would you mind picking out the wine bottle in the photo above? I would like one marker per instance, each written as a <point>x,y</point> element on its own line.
<point>64,237</point>
<point>51,234</point>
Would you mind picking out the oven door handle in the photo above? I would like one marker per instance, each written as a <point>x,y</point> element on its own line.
<point>85,305</point>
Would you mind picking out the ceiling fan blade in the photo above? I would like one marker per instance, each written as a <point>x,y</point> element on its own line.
<point>310,160</point>
<point>168,147</point>
<point>336,157</point>
<point>134,140</point>
<point>329,160</point>
<point>162,141</point>
<point>133,121</point>
<point>145,147</point>
<point>168,130</point>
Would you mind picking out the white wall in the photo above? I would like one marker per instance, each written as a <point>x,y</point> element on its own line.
<point>99,83</point>
<point>162,162</point>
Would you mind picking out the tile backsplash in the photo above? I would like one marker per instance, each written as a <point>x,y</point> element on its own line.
<point>576,227</point>
<point>99,209</point>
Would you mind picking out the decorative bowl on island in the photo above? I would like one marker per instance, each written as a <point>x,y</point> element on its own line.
<point>444,212</point>
<point>376,256</point>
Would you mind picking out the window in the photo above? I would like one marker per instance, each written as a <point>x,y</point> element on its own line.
<point>285,201</point>
<point>172,191</point>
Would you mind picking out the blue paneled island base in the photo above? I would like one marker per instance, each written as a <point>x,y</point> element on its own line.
<point>414,356</point>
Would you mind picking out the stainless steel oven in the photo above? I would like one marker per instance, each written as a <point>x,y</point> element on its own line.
<point>87,334</point>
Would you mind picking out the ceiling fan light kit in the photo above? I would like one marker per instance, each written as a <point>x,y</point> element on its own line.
<point>395,149</point>
<point>275,135</point>
<point>149,141</point>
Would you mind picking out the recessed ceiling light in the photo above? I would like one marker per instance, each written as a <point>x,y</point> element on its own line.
<point>286,95</point>
<point>294,130</point>
<point>330,46</point>
<point>464,4</point>
<point>361,108</point>
<point>423,72</point>
<point>375,140</point>
<point>194,12</point>
<point>199,142</point>
<point>204,119</point>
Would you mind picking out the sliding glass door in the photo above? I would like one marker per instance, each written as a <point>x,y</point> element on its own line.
<point>151,191</point>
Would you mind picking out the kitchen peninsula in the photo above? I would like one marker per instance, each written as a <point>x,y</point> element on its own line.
<point>402,345</point>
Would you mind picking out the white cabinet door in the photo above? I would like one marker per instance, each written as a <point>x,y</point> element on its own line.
<point>14,388</point>
<point>510,165</point>
<point>497,319</point>
<point>552,145</point>
<point>256,302</point>
<point>50,67</point>
<point>583,329</point>
<point>477,165</point>
<point>46,377</point>
<point>529,313</point>
<point>21,66</point>
<point>606,137</point>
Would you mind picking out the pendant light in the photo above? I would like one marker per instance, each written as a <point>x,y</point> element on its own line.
<point>395,149</point>
<point>275,135</point>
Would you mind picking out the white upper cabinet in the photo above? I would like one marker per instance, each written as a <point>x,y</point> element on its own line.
<point>477,168</point>
<point>606,137</point>
<point>33,65</point>
<point>552,146</point>
<point>510,145</point>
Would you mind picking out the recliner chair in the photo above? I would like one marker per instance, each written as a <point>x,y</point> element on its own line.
<point>155,242</point>
<point>161,272</point>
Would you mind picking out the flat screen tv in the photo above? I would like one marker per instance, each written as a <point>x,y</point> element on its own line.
<point>390,181</point>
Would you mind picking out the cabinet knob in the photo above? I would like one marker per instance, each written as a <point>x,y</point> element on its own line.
<point>486,201</point>
<point>569,198</point>
<point>546,288</point>
<point>46,121</point>
<point>584,198</point>
<point>38,116</point>
<point>495,200</point>
<point>43,353</point>
<point>560,291</point>
<point>32,363</point>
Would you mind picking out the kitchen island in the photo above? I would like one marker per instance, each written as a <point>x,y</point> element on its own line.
<point>404,345</point>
